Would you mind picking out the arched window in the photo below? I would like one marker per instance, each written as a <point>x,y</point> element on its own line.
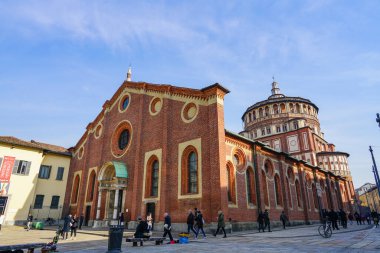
<point>193,173</point>
<point>251,187</point>
<point>261,113</point>
<point>74,195</point>
<point>254,115</point>
<point>289,193</point>
<point>291,107</point>
<point>283,109</point>
<point>231,184</point>
<point>298,191</point>
<point>91,186</point>
<point>315,196</point>
<point>275,109</point>
<point>277,187</point>
<point>249,117</point>
<point>266,111</point>
<point>155,177</point>
<point>264,188</point>
<point>190,171</point>
<point>298,108</point>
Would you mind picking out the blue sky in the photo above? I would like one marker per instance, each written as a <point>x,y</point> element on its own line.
<point>60,60</point>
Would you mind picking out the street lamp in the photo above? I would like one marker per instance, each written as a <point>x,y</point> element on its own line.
<point>378,118</point>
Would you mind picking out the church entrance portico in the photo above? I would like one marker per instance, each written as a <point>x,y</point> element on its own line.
<point>111,193</point>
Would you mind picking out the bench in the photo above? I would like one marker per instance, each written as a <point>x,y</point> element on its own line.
<point>20,247</point>
<point>158,240</point>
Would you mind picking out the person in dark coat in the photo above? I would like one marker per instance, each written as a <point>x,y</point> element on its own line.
<point>200,222</point>
<point>29,222</point>
<point>260,221</point>
<point>141,229</point>
<point>357,218</point>
<point>121,219</point>
<point>351,218</point>
<point>168,227</point>
<point>375,217</point>
<point>283,219</point>
<point>73,227</point>
<point>81,219</point>
<point>334,219</point>
<point>66,227</point>
<point>266,220</point>
<point>221,224</point>
<point>343,218</point>
<point>190,222</point>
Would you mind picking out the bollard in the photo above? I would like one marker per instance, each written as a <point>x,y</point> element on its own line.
<point>115,238</point>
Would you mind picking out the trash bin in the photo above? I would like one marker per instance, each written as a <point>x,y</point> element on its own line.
<point>115,237</point>
<point>39,225</point>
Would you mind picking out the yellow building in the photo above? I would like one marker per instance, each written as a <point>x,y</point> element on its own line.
<point>370,198</point>
<point>33,179</point>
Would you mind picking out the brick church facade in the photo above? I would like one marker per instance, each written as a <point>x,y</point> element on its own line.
<point>160,148</point>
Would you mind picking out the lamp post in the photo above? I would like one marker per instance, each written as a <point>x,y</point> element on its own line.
<point>378,118</point>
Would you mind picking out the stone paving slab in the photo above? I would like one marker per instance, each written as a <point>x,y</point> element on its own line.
<point>353,240</point>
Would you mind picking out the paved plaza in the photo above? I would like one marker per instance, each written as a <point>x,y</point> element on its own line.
<point>295,239</point>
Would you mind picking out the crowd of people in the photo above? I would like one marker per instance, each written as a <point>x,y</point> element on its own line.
<point>340,217</point>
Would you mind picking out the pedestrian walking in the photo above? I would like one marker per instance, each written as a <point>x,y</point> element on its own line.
<point>368,218</point>
<point>200,222</point>
<point>375,217</point>
<point>343,217</point>
<point>357,218</point>
<point>334,219</point>
<point>168,227</point>
<point>260,221</point>
<point>66,227</point>
<point>1,220</point>
<point>149,220</point>
<point>266,220</point>
<point>121,219</point>
<point>221,224</point>
<point>283,219</point>
<point>81,219</point>
<point>350,218</point>
<point>190,222</point>
<point>29,222</point>
<point>73,227</point>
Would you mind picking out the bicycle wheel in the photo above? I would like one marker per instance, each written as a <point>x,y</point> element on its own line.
<point>321,231</point>
<point>328,232</point>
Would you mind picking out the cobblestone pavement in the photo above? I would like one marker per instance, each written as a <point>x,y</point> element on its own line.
<point>296,239</point>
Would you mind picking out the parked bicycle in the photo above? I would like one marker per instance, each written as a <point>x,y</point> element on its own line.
<point>325,229</point>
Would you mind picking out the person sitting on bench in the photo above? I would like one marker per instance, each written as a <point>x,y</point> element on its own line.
<point>142,230</point>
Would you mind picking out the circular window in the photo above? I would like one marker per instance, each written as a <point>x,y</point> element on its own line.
<point>155,106</point>
<point>189,112</point>
<point>124,102</point>
<point>80,153</point>
<point>121,139</point>
<point>98,131</point>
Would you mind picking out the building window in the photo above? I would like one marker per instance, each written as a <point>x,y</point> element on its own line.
<point>254,115</point>
<point>250,117</point>
<point>38,202</point>
<point>125,103</point>
<point>54,202</point>
<point>123,139</point>
<point>289,193</point>
<point>266,111</point>
<point>21,167</point>
<point>91,186</point>
<point>155,175</point>
<point>264,188</point>
<point>291,107</point>
<point>295,125</point>
<point>263,132</point>
<point>231,184</point>
<point>284,128</point>
<point>60,173</point>
<point>190,171</point>
<point>74,196</point>
<point>255,133</point>
<point>44,172</point>
<point>275,109</point>
<point>298,191</point>
<point>268,130</point>
<point>251,196</point>
<point>278,129</point>
<point>261,114</point>
<point>315,196</point>
<point>277,186</point>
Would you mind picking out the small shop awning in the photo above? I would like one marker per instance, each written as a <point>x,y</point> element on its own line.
<point>121,169</point>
